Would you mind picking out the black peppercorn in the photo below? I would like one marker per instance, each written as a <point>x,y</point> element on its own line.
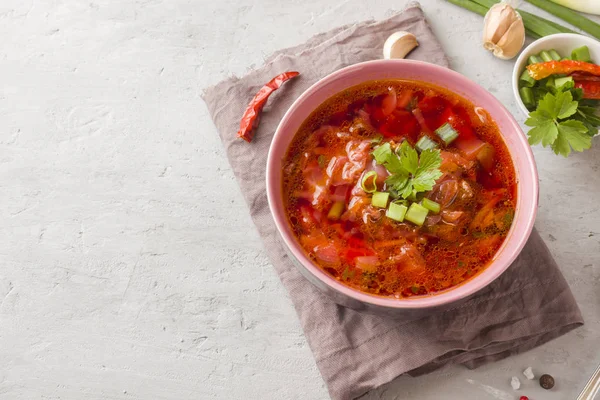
<point>547,381</point>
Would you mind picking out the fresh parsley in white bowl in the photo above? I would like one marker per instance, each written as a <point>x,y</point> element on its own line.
<point>558,114</point>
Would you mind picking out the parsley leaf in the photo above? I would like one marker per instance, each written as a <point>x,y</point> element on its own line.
<point>537,117</point>
<point>382,153</point>
<point>572,134</point>
<point>545,107</point>
<point>400,183</point>
<point>428,171</point>
<point>408,171</point>
<point>577,92</point>
<point>546,132</point>
<point>409,158</point>
<point>557,122</point>
<point>430,160</point>
<point>568,86</point>
<point>587,115</point>
<point>564,105</point>
<point>561,146</point>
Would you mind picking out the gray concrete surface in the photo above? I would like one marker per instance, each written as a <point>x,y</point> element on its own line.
<point>129,267</point>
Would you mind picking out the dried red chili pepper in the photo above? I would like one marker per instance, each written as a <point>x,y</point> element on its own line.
<point>542,70</point>
<point>590,84</point>
<point>582,76</point>
<point>591,88</point>
<point>251,116</point>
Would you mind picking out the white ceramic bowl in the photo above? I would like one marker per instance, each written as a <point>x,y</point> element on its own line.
<point>563,43</point>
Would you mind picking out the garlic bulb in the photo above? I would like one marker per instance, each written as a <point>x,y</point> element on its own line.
<point>399,44</point>
<point>503,31</point>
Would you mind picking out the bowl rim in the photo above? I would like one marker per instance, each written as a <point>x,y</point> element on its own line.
<point>526,52</point>
<point>446,297</point>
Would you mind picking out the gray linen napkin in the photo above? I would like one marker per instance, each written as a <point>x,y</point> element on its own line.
<point>528,305</point>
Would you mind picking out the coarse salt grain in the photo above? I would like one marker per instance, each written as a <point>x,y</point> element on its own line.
<point>515,383</point>
<point>529,374</point>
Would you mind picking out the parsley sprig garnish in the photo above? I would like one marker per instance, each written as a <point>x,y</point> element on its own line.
<point>408,170</point>
<point>562,123</point>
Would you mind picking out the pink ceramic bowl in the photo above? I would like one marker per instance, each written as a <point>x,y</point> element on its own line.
<point>527,185</point>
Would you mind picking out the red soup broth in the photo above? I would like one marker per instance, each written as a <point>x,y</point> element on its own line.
<point>357,243</point>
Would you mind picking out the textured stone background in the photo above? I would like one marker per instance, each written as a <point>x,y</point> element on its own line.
<point>129,267</point>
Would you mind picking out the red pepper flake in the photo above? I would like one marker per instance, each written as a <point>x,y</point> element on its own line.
<point>251,116</point>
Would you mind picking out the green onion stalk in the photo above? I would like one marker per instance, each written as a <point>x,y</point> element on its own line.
<point>535,27</point>
<point>586,6</point>
<point>572,17</point>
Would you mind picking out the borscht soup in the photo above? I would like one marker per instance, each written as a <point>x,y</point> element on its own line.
<point>399,188</point>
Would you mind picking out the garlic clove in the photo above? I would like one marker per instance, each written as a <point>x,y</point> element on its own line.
<point>497,21</point>
<point>399,44</point>
<point>511,42</point>
<point>503,32</point>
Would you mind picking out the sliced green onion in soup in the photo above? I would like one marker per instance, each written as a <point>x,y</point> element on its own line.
<point>425,144</point>
<point>380,199</point>
<point>416,214</point>
<point>401,201</point>
<point>431,205</point>
<point>447,133</point>
<point>396,211</point>
<point>369,182</point>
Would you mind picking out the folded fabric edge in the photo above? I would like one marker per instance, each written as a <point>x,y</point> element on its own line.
<point>496,350</point>
<point>570,321</point>
<point>478,302</point>
<point>529,344</point>
<point>431,366</point>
